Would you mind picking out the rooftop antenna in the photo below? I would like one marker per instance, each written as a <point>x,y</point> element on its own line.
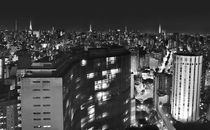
<point>30,26</point>
<point>90,28</point>
<point>159,29</point>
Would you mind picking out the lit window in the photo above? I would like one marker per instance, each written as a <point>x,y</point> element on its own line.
<point>110,60</point>
<point>78,95</point>
<point>77,79</point>
<point>105,114</point>
<point>104,127</point>
<point>71,77</point>
<point>125,119</point>
<point>47,126</point>
<point>83,62</point>
<point>92,128</point>
<point>67,103</point>
<point>102,96</point>
<point>91,113</point>
<point>82,106</point>
<point>115,71</point>
<point>90,98</point>
<point>101,84</point>
<point>104,73</point>
<point>83,122</point>
<point>90,75</point>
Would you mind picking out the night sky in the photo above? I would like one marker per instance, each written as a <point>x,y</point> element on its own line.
<point>143,15</point>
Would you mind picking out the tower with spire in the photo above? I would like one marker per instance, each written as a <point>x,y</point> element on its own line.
<point>30,26</point>
<point>90,28</point>
<point>159,29</point>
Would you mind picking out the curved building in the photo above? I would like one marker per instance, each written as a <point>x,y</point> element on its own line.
<point>186,87</point>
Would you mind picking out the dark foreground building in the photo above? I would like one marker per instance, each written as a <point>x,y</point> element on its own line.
<point>88,90</point>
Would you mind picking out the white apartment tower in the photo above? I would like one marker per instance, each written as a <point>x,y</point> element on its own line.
<point>185,96</point>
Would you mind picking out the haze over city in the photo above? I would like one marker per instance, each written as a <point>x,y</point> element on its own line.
<point>175,16</point>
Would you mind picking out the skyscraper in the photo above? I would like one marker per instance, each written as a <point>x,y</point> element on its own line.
<point>87,92</point>
<point>186,87</point>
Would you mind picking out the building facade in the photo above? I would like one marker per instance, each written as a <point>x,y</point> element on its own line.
<point>87,92</point>
<point>9,114</point>
<point>186,86</point>
<point>97,92</point>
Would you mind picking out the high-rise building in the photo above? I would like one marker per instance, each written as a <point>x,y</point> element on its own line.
<point>186,86</point>
<point>87,92</point>
<point>8,109</point>
<point>207,78</point>
<point>162,86</point>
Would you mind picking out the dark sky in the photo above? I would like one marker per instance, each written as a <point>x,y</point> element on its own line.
<point>144,15</point>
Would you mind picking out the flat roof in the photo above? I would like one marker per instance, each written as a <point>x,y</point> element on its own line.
<point>187,54</point>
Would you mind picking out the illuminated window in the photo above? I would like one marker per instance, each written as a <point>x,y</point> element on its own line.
<point>104,127</point>
<point>82,106</point>
<point>101,84</point>
<point>67,103</point>
<point>115,71</point>
<point>104,73</point>
<point>92,128</point>
<point>103,96</point>
<point>83,62</point>
<point>83,122</point>
<point>105,114</point>
<point>125,119</point>
<point>47,126</point>
<point>90,75</point>
<point>110,60</point>
<point>91,113</point>
<point>78,79</point>
<point>90,98</point>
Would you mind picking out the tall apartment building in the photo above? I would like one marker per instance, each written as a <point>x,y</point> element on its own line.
<point>87,92</point>
<point>186,87</point>
<point>8,110</point>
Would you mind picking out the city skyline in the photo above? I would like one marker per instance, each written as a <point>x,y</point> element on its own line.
<point>145,16</point>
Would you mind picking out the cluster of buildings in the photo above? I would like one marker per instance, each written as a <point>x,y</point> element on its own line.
<point>88,80</point>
